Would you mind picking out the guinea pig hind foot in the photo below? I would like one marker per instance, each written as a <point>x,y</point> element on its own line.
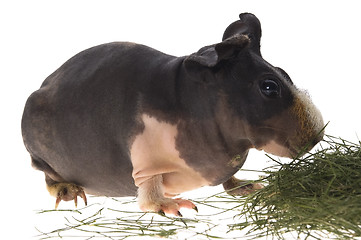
<point>237,187</point>
<point>66,192</point>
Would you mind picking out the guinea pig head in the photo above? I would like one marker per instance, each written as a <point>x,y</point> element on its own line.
<point>278,117</point>
<point>264,109</point>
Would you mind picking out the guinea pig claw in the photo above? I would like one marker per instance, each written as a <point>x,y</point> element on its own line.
<point>76,200</point>
<point>58,199</point>
<point>83,196</point>
<point>161,212</point>
<point>179,214</point>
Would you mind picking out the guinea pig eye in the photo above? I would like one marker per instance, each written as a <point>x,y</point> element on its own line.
<point>270,88</point>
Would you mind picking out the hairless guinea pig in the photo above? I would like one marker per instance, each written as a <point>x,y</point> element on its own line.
<point>123,119</point>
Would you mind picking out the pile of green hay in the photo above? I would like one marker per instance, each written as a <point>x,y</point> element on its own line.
<point>317,196</point>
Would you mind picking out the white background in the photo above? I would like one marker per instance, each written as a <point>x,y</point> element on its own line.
<point>316,42</point>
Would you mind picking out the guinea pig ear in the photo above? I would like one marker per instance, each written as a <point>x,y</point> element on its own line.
<point>248,25</point>
<point>210,56</point>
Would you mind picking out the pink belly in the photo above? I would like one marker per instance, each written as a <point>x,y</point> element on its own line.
<point>153,152</point>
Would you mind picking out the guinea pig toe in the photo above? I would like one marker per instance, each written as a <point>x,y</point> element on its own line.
<point>161,206</point>
<point>168,206</point>
<point>179,204</point>
<point>67,192</point>
<point>186,204</point>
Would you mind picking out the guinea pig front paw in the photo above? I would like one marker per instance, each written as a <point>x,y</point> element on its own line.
<point>167,206</point>
<point>237,187</point>
<point>66,192</point>
<point>151,198</point>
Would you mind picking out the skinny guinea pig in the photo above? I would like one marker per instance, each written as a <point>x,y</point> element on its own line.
<point>123,119</point>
